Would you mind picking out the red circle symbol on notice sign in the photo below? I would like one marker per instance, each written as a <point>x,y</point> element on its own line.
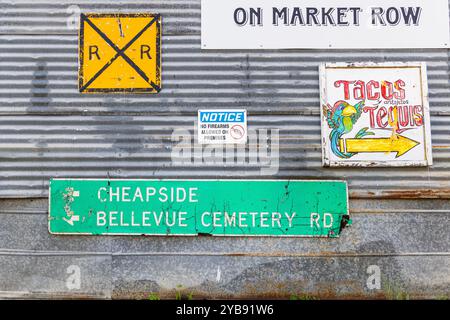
<point>237,131</point>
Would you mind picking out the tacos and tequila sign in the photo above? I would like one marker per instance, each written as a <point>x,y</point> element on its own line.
<point>375,114</point>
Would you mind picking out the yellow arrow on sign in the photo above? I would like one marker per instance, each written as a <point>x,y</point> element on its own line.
<point>396,143</point>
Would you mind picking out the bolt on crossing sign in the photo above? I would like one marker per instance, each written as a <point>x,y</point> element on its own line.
<point>120,53</point>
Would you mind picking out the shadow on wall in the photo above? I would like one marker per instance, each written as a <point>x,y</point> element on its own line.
<point>40,91</point>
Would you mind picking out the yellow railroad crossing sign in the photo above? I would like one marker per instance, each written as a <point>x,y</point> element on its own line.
<point>396,143</point>
<point>120,53</point>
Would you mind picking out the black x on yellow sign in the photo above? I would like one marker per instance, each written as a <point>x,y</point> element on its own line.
<point>120,53</point>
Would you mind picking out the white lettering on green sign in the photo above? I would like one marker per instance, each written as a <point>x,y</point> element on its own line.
<point>193,207</point>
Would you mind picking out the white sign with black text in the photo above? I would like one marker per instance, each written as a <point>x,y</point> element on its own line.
<point>324,24</point>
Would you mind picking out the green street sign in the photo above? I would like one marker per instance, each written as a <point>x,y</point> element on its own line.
<point>198,207</point>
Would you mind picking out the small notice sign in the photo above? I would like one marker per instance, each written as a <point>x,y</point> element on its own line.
<point>120,53</point>
<point>198,207</point>
<point>222,126</point>
<point>375,114</point>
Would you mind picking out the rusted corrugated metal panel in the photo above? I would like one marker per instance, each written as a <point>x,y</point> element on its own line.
<point>39,75</point>
<point>130,136</point>
<point>409,243</point>
<point>48,129</point>
<point>47,17</point>
<point>35,148</point>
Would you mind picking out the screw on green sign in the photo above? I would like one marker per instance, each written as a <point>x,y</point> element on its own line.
<point>198,207</point>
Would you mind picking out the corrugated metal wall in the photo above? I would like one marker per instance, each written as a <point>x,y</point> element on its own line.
<point>47,129</point>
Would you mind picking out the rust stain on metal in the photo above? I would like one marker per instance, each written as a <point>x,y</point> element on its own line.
<point>289,254</point>
<point>417,194</point>
<point>252,292</point>
<point>403,194</point>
